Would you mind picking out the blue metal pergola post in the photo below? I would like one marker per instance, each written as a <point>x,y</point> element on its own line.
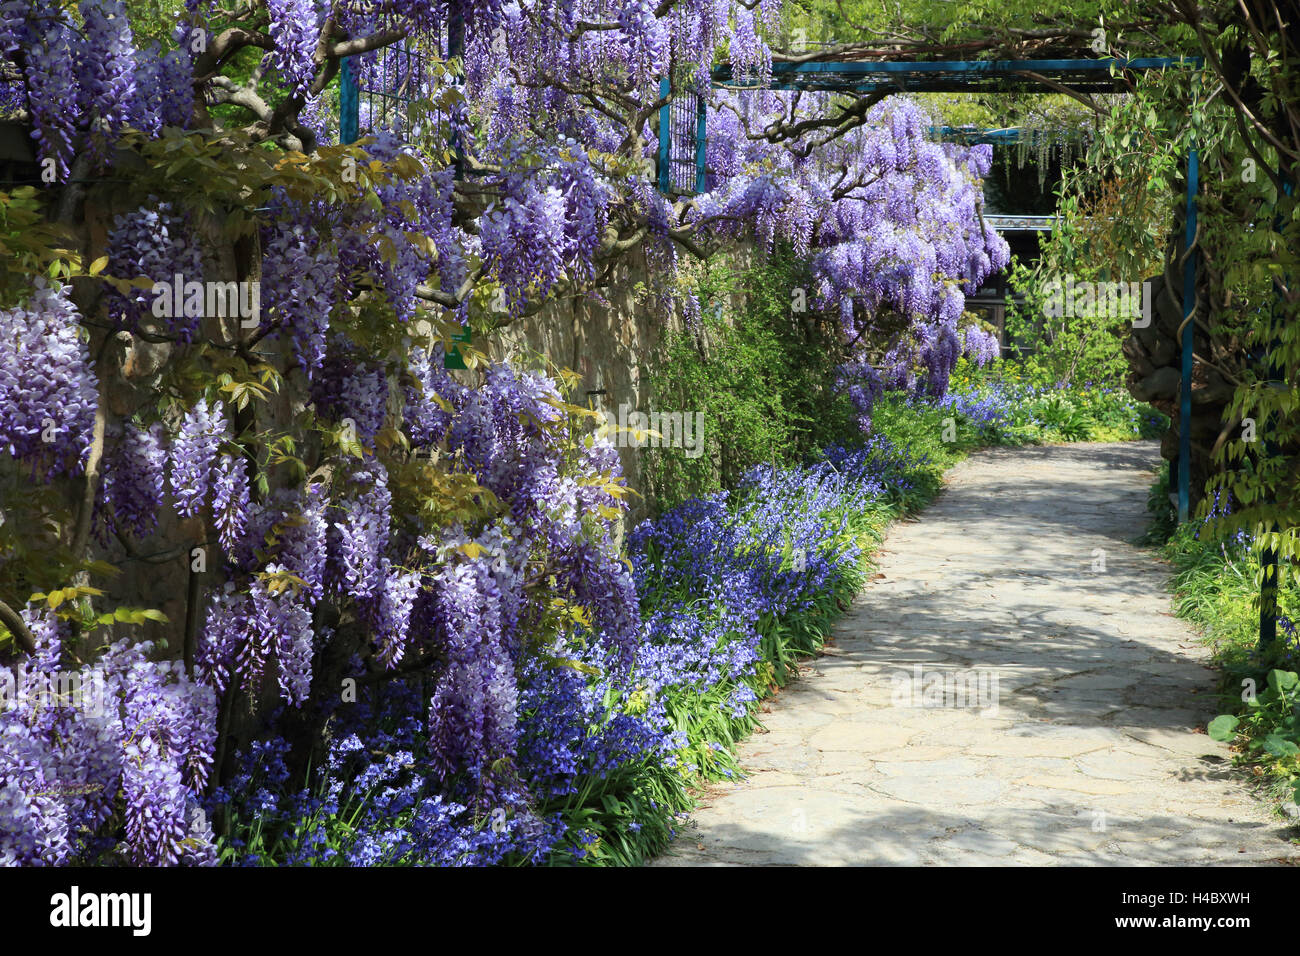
<point>1189,308</point>
<point>665,135</point>
<point>349,102</point>
<point>1268,584</point>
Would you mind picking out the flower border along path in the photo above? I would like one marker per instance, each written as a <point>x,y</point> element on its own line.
<point>1010,689</point>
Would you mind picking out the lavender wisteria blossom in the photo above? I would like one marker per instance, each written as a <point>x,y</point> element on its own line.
<point>48,388</point>
<point>157,243</point>
<point>134,479</point>
<point>194,456</point>
<point>148,736</point>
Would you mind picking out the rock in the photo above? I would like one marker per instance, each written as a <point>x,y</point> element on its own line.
<point>1162,383</point>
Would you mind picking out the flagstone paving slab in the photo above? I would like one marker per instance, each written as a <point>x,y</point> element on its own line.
<point>1088,750</point>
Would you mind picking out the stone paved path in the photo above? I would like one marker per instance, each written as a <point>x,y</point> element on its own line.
<point>1093,753</point>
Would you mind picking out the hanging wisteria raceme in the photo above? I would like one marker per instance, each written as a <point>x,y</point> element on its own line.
<point>48,45</point>
<point>304,541</point>
<point>230,501</point>
<point>164,89</point>
<point>108,88</point>
<point>359,538</point>
<point>194,456</point>
<point>389,612</point>
<point>156,243</point>
<point>472,711</point>
<point>300,277</point>
<point>979,345</point>
<point>295,27</point>
<point>425,420</point>
<point>863,384</point>
<point>48,389</point>
<point>362,399</point>
<point>134,479</point>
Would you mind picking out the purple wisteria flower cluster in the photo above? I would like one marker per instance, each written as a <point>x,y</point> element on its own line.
<point>157,242</point>
<point>48,388</point>
<point>90,79</point>
<point>140,730</point>
<point>194,461</point>
<point>133,482</point>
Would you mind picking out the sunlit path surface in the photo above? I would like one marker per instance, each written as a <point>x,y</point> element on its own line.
<point>1019,588</point>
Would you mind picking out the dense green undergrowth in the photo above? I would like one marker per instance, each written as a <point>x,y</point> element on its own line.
<point>1216,587</point>
<point>1018,411</point>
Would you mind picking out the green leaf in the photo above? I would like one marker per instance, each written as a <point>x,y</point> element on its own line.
<point>1283,681</point>
<point>1223,727</point>
<point>1280,746</point>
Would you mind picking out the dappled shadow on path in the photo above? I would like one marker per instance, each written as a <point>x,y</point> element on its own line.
<point>1092,751</point>
<point>1065,835</point>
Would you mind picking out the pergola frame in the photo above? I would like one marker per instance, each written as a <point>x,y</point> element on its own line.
<point>1102,75</point>
<point>1080,76</point>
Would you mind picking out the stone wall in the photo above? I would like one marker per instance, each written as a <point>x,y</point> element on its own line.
<point>612,339</point>
<point>608,339</point>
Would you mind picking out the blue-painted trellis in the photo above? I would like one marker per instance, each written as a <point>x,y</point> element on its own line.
<point>682,140</point>
<point>389,101</point>
<point>1101,75</point>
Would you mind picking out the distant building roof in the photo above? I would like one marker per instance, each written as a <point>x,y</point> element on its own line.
<point>1021,223</point>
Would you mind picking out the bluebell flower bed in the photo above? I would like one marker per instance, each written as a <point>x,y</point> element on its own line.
<point>733,589</point>
<point>606,747</point>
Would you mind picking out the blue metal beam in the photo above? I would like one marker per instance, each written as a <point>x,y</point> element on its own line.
<point>946,75</point>
<point>1010,134</point>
